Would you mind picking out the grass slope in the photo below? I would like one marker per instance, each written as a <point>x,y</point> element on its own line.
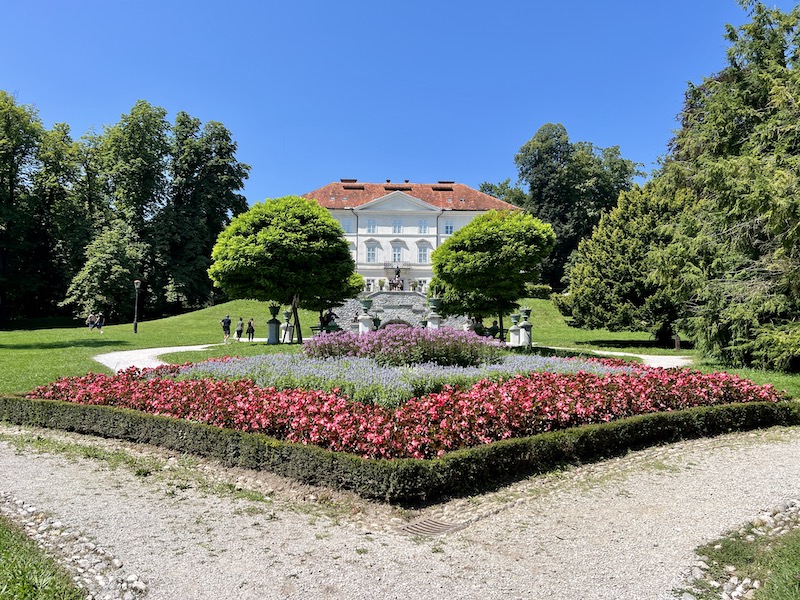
<point>34,357</point>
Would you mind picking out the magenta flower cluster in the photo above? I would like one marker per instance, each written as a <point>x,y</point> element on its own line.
<point>423,427</point>
<point>407,346</point>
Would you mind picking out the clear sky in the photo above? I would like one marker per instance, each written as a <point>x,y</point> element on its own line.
<point>425,90</point>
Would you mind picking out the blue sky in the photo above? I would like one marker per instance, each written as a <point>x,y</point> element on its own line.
<point>314,91</point>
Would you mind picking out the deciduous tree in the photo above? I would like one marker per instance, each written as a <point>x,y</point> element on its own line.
<point>485,265</point>
<point>205,179</point>
<point>288,250</point>
<point>570,185</point>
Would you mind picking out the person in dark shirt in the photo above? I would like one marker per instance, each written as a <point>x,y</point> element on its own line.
<point>226,328</point>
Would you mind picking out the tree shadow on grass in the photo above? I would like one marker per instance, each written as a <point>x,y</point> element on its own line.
<point>99,344</point>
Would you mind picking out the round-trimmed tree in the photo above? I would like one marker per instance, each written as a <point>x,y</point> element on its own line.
<point>287,250</point>
<point>485,265</point>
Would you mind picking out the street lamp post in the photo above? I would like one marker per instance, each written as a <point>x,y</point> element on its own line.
<point>136,285</point>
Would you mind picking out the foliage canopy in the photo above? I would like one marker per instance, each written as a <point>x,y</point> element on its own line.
<point>288,250</point>
<point>484,266</point>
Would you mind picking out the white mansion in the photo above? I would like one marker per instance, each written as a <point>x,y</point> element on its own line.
<point>394,227</point>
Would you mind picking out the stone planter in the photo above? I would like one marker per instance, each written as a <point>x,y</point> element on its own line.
<point>366,304</point>
<point>515,318</point>
<point>273,310</point>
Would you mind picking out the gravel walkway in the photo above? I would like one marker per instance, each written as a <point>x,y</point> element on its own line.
<point>620,529</point>
<point>148,357</point>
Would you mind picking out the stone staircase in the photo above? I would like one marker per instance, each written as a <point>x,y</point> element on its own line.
<point>407,306</point>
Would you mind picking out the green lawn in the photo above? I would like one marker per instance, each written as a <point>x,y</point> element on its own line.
<point>551,329</point>
<point>27,573</point>
<point>34,357</point>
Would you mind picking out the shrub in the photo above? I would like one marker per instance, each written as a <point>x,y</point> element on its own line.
<point>395,346</point>
<point>777,348</point>
<point>542,291</point>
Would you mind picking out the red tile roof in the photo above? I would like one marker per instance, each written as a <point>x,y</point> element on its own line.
<point>349,193</point>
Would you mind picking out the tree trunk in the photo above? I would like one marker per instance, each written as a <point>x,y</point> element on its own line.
<point>295,301</point>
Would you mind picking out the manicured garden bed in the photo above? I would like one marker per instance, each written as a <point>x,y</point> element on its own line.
<point>474,427</point>
<point>424,427</point>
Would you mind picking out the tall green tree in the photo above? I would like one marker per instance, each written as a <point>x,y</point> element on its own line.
<point>738,149</point>
<point>64,226</point>
<point>136,151</point>
<point>20,132</point>
<point>504,191</point>
<point>105,282</point>
<point>205,179</point>
<point>289,251</point>
<point>485,265</point>
<point>611,281</point>
<point>570,185</point>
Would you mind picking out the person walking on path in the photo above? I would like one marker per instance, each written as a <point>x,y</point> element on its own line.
<point>226,328</point>
<point>239,329</point>
<point>101,320</point>
<point>251,330</point>
<point>91,321</point>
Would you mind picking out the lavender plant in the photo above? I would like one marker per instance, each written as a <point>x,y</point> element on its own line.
<point>396,346</point>
<point>365,380</point>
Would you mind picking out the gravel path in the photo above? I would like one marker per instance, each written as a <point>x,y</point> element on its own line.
<point>148,357</point>
<point>621,529</point>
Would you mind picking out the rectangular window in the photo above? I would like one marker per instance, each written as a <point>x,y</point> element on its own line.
<point>397,254</point>
<point>372,254</point>
<point>397,226</point>
<point>423,226</point>
<point>347,225</point>
<point>370,285</point>
<point>448,228</point>
<point>372,226</point>
<point>422,255</point>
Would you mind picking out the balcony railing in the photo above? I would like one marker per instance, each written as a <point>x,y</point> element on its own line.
<point>394,265</point>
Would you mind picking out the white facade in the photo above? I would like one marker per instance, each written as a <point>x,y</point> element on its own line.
<point>398,231</point>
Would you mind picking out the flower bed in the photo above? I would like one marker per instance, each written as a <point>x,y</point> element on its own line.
<point>408,345</point>
<point>364,380</point>
<point>423,427</point>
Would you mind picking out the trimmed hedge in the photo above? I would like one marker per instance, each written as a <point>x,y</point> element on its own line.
<point>403,481</point>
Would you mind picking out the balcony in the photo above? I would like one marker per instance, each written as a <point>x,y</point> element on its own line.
<point>392,266</point>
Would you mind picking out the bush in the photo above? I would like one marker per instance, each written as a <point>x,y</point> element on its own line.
<point>777,348</point>
<point>397,346</point>
<point>541,291</point>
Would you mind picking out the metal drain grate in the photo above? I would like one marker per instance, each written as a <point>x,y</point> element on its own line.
<point>430,527</point>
